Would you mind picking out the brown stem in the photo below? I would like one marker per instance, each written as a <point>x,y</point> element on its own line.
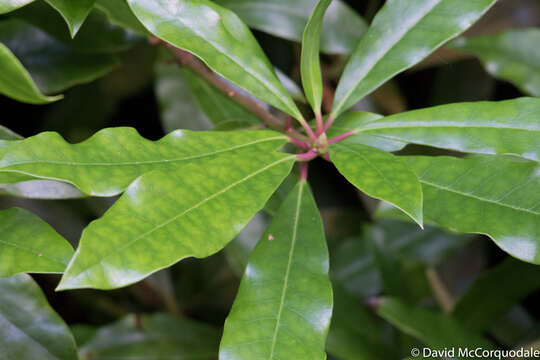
<point>187,60</point>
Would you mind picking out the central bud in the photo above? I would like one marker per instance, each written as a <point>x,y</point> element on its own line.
<point>321,144</point>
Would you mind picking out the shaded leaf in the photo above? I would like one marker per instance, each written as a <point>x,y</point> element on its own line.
<point>29,327</point>
<point>73,12</point>
<point>97,35</point>
<point>402,34</point>
<point>310,58</point>
<point>16,82</point>
<point>157,336</point>
<point>120,14</point>
<point>435,329</point>
<point>502,127</point>
<point>495,292</point>
<point>284,304</point>
<point>291,87</point>
<point>342,27</point>
<point>43,55</point>
<point>106,163</point>
<point>222,41</point>
<point>7,134</point>
<point>162,218</point>
<point>29,244</point>
<point>353,264</point>
<point>380,175</point>
<point>496,196</point>
<point>511,55</point>
<point>355,334</point>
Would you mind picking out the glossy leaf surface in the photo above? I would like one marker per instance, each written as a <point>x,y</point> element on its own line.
<point>29,327</point>
<point>73,12</point>
<point>380,175</point>
<point>42,55</point>
<point>10,5</point>
<point>503,127</point>
<point>284,304</point>
<point>162,218</point>
<point>310,58</point>
<point>496,196</point>
<point>16,82</point>
<point>494,293</point>
<point>120,14</point>
<point>106,163</point>
<point>343,27</point>
<point>512,56</point>
<point>158,336</point>
<point>402,34</point>
<point>40,189</point>
<point>437,330</point>
<point>221,40</point>
<point>29,244</point>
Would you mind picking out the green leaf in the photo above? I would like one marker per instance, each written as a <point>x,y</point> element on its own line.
<point>495,292</point>
<point>157,336</point>
<point>96,36</point>
<point>40,189</point>
<point>437,330</point>
<point>73,12</point>
<point>402,34</point>
<point>342,27</point>
<point>177,104</point>
<point>16,82</point>
<point>7,134</point>
<point>284,304</point>
<point>310,59</point>
<point>29,327</point>
<point>356,334</point>
<point>10,5</point>
<point>221,40</point>
<point>291,87</point>
<point>495,196</point>
<point>511,55</point>
<point>106,163</point>
<point>29,244</point>
<point>43,55</point>
<point>502,127</point>
<point>353,264</point>
<point>162,218</point>
<point>120,14</point>
<point>380,175</point>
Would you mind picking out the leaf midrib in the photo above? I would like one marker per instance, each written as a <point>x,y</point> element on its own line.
<point>376,61</point>
<point>128,163</point>
<point>288,270</point>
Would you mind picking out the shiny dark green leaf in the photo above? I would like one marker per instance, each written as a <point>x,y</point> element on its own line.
<point>342,27</point>
<point>120,14</point>
<point>437,330</point>
<point>29,244</point>
<point>221,40</point>
<point>496,196</point>
<point>511,55</point>
<point>310,58</point>
<point>29,327</point>
<point>156,337</point>
<point>402,34</point>
<point>43,56</point>
<point>16,82</point>
<point>73,12</point>
<point>380,175</point>
<point>109,161</point>
<point>284,304</point>
<point>502,127</point>
<point>164,217</point>
<point>495,292</point>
